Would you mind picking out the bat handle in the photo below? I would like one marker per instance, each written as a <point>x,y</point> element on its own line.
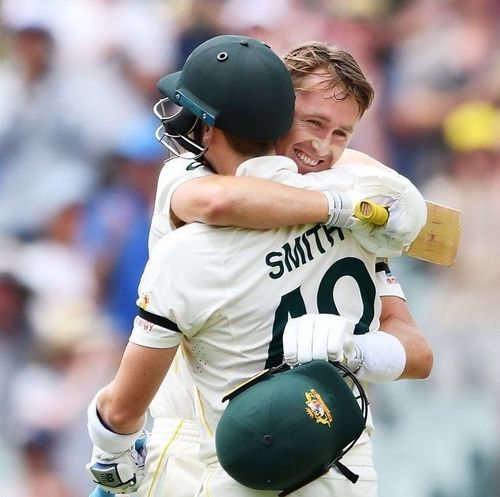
<point>99,492</point>
<point>369,211</point>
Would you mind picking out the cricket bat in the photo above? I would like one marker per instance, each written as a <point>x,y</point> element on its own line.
<point>438,240</point>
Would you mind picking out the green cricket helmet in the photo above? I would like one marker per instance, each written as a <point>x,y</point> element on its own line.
<point>287,427</point>
<point>234,83</point>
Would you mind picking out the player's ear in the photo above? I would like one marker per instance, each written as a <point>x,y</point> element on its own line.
<point>206,134</point>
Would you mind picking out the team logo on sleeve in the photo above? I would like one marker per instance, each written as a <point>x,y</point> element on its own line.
<point>143,301</point>
<point>316,408</point>
<point>390,278</point>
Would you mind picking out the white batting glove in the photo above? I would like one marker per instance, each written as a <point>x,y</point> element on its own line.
<point>117,462</point>
<point>118,473</point>
<point>407,216</point>
<point>311,337</point>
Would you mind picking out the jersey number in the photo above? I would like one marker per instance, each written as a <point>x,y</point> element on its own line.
<point>292,304</point>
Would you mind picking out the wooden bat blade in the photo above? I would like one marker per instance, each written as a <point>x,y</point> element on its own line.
<point>439,239</point>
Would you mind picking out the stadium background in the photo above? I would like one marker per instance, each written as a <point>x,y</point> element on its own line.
<point>78,166</point>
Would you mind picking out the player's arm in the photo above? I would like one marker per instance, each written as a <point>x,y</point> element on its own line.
<point>396,319</point>
<point>123,403</point>
<point>258,203</point>
<point>397,350</point>
<point>116,419</point>
<point>247,202</point>
<point>116,416</point>
<point>326,197</point>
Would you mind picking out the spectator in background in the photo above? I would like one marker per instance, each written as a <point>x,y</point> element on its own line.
<point>444,53</point>
<point>198,22</point>
<point>67,348</point>
<point>15,328</point>
<point>44,160</point>
<point>281,23</point>
<point>58,120</point>
<point>137,38</point>
<point>116,221</point>
<point>71,351</point>
<point>470,183</point>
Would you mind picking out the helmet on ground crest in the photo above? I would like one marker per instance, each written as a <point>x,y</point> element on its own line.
<point>287,427</point>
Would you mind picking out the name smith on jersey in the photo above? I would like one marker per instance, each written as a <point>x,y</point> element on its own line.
<point>313,242</point>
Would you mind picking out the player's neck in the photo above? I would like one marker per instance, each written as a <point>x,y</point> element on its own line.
<point>224,159</point>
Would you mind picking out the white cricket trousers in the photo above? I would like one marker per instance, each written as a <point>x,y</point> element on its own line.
<point>216,483</point>
<point>173,469</point>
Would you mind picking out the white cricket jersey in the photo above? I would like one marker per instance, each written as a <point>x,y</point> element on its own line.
<point>174,398</point>
<point>175,172</point>
<point>230,291</point>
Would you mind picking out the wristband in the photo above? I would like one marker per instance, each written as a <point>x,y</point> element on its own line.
<point>379,357</point>
<point>340,208</point>
<point>103,437</point>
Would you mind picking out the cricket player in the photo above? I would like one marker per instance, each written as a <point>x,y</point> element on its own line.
<point>186,415</point>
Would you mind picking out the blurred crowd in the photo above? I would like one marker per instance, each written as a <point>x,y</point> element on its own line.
<point>78,169</point>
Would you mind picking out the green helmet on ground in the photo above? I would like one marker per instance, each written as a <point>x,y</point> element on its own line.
<point>236,84</point>
<point>290,427</point>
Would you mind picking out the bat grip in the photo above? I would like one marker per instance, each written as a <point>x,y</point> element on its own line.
<point>99,492</point>
<point>369,211</point>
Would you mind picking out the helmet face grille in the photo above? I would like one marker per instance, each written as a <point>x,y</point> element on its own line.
<point>178,131</point>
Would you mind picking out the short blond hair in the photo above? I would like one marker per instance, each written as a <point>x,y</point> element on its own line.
<point>338,66</point>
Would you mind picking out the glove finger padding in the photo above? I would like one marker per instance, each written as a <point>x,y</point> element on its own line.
<point>379,243</point>
<point>305,339</point>
<point>340,333</point>
<point>316,337</point>
<point>320,340</point>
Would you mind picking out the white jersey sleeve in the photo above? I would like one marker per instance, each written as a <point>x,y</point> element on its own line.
<point>174,173</point>
<point>182,297</point>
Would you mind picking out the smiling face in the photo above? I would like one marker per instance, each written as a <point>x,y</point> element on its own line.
<point>324,122</point>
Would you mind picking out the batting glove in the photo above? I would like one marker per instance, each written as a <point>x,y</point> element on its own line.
<point>311,337</point>
<point>118,461</point>
<point>118,473</point>
<point>407,216</point>
<point>340,208</point>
